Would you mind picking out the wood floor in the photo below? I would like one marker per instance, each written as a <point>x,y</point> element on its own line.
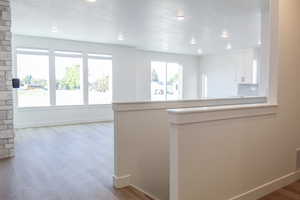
<point>291,192</point>
<point>62,163</point>
<point>73,163</point>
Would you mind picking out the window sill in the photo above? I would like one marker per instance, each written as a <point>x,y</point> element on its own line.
<point>216,113</point>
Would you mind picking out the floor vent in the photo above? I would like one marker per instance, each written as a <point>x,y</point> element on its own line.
<point>298,160</point>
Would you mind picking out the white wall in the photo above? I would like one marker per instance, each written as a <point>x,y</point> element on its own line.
<point>248,156</point>
<point>61,115</point>
<point>142,142</point>
<point>225,71</point>
<point>131,79</point>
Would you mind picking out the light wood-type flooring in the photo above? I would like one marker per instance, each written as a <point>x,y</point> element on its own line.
<point>73,163</point>
<point>291,192</point>
<point>62,163</point>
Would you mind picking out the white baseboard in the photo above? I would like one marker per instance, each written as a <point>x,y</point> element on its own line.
<point>145,193</point>
<point>269,187</point>
<point>58,123</point>
<point>256,193</point>
<point>121,181</point>
<point>124,181</point>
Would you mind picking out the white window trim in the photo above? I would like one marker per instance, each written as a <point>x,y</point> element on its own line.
<point>52,53</point>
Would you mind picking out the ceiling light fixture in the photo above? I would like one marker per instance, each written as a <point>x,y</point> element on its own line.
<point>91,1</point>
<point>193,41</point>
<point>200,51</point>
<point>54,29</point>
<point>259,42</point>
<point>180,15</point>
<point>225,34</point>
<point>120,37</point>
<point>180,18</point>
<point>228,47</point>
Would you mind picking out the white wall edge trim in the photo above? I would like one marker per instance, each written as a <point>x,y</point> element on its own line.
<point>160,105</point>
<point>216,113</point>
<point>59,123</point>
<point>145,193</point>
<point>121,181</point>
<point>269,187</point>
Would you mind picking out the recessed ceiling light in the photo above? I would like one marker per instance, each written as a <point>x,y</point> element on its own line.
<point>193,41</point>
<point>259,42</point>
<point>228,47</point>
<point>54,29</point>
<point>120,37</point>
<point>91,1</point>
<point>225,34</point>
<point>200,51</point>
<point>180,18</point>
<point>180,15</point>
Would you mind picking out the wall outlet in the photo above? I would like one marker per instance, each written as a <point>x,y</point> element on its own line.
<point>298,159</point>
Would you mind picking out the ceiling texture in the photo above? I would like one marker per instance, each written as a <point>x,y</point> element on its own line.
<point>145,24</point>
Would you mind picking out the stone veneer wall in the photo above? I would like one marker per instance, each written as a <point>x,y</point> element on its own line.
<point>6,99</point>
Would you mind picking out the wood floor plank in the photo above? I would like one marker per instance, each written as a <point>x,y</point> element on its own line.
<point>290,192</point>
<point>62,163</point>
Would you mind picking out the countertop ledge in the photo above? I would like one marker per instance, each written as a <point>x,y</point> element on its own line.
<point>220,108</point>
<point>216,113</point>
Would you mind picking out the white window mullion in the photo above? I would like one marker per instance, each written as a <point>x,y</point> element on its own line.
<point>52,79</point>
<point>166,79</point>
<point>85,80</point>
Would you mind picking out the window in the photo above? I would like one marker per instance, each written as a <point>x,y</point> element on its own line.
<point>204,86</point>
<point>68,72</point>
<point>174,81</point>
<point>99,80</point>
<point>158,81</point>
<point>33,71</point>
<point>75,78</point>
<point>254,72</point>
<point>166,81</point>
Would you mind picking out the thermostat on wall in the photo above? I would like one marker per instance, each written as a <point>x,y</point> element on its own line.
<point>16,83</point>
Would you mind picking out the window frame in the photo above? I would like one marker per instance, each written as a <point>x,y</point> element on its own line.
<point>52,54</point>
<point>166,63</point>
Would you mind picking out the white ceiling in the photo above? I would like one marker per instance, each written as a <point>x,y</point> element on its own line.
<point>145,24</point>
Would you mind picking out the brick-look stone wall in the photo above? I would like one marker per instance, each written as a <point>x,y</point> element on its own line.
<point>6,101</point>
